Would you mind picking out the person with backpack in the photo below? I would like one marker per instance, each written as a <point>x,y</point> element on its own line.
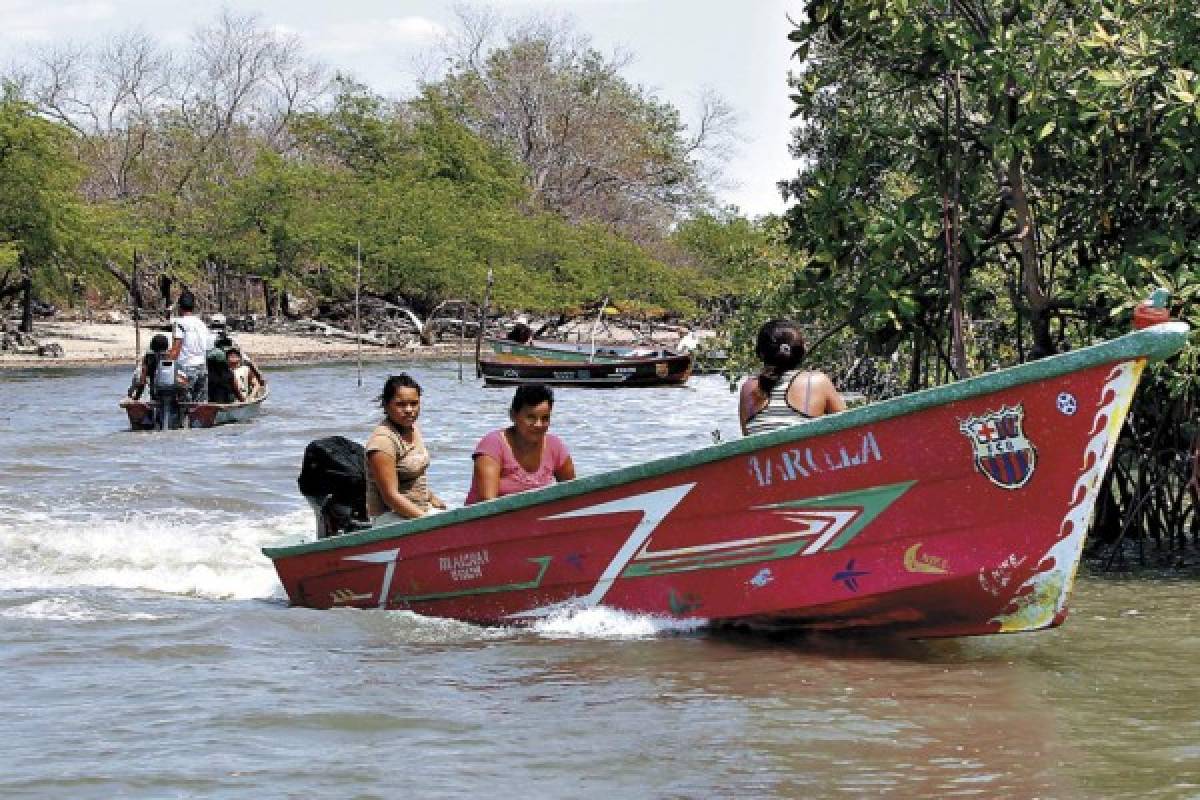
<point>148,368</point>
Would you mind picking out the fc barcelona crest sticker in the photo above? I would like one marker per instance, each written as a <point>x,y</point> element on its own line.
<point>1002,452</point>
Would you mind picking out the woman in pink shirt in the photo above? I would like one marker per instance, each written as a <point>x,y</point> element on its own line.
<point>524,455</point>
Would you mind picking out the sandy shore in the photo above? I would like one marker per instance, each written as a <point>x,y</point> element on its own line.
<point>91,344</point>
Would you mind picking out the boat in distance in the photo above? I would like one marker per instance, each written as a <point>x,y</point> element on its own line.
<point>514,369</point>
<point>144,414</point>
<point>958,510</point>
<point>575,353</point>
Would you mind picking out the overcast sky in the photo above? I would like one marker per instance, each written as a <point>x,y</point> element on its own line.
<point>679,49</point>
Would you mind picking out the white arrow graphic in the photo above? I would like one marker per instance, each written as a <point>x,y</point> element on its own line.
<point>654,507</point>
<point>389,557</point>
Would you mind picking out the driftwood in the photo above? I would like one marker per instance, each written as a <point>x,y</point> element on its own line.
<point>13,340</point>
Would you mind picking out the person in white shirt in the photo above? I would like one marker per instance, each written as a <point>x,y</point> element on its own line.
<point>190,347</point>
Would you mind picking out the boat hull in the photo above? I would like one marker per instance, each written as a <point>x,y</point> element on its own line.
<point>141,413</point>
<point>575,353</point>
<point>511,369</point>
<point>957,511</point>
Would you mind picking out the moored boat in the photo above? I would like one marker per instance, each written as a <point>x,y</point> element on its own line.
<point>514,369</point>
<point>575,353</point>
<point>958,510</point>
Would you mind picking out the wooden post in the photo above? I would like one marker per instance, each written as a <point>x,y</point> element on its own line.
<point>462,336</point>
<point>358,307</point>
<point>134,294</point>
<point>595,323</point>
<point>483,310</point>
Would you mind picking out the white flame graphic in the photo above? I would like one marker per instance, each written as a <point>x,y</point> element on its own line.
<point>1045,593</point>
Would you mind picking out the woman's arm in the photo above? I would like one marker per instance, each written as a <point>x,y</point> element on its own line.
<point>749,402</point>
<point>486,477</point>
<point>565,471</point>
<point>383,472</point>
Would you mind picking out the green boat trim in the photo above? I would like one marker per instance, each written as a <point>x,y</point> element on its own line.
<point>1154,343</point>
<point>503,347</point>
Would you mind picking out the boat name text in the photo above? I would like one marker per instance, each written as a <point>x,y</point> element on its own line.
<point>804,462</point>
<point>464,566</point>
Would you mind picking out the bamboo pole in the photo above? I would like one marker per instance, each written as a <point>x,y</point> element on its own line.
<point>462,336</point>
<point>137,321</point>
<point>483,310</point>
<point>595,324</point>
<point>358,307</point>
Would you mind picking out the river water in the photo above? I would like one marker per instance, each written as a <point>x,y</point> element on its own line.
<point>146,649</point>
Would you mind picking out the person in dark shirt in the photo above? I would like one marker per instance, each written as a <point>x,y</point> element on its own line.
<point>148,366</point>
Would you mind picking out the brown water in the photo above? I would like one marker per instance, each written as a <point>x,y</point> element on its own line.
<point>145,650</point>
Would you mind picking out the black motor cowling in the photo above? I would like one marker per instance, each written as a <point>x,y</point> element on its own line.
<point>333,478</point>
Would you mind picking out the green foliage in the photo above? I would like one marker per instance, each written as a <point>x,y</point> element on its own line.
<point>231,178</point>
<point>39,208</point>
<point>1067,134</point>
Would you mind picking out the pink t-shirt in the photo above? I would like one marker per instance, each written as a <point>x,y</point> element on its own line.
<point>513,477</point>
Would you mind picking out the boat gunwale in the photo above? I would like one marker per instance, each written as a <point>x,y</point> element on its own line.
<point>549,363</point>
<point>608,352</point>
<point>129,401</point>
<point>1156,343</point>
<point>237,404</point>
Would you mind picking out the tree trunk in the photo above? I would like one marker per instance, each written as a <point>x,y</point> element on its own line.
<point>1194,482</point>
<point>26,296</point>
<point>918,356</point>
<point>951,201</point>
<point>1031,283</point>
<point>164,291</point>
<point>135,283</point>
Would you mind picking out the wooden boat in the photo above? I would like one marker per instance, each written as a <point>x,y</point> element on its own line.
<point>143,414</point>
<point>514,369</point>
<point>576,353</point>
<point>954,511</point>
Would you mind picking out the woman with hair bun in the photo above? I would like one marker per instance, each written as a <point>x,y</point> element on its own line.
<point>397,488</point>
<point>782,394</point>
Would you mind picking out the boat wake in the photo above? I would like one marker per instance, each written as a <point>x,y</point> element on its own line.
<point>215,555</point>
<point>608,623</point>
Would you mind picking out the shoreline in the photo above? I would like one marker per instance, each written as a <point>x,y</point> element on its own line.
<point>92,344</point>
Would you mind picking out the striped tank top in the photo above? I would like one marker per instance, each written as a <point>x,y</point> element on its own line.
<point>778,413</point>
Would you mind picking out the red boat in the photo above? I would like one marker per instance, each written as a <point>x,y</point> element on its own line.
<point>953,511</point>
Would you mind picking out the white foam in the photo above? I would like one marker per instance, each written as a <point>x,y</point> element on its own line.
<point>608,623</point>
<point>70,610</point>
<point>212,555</point>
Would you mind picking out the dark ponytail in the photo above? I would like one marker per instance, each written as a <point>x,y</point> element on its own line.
<point>781,348</point>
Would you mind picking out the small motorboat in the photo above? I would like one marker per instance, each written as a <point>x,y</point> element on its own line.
<point>149,415</point>
<point>958,510</point>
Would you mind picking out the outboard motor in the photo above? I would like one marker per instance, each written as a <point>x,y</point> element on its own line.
<point>333,479</point>
<point>167,390</point>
